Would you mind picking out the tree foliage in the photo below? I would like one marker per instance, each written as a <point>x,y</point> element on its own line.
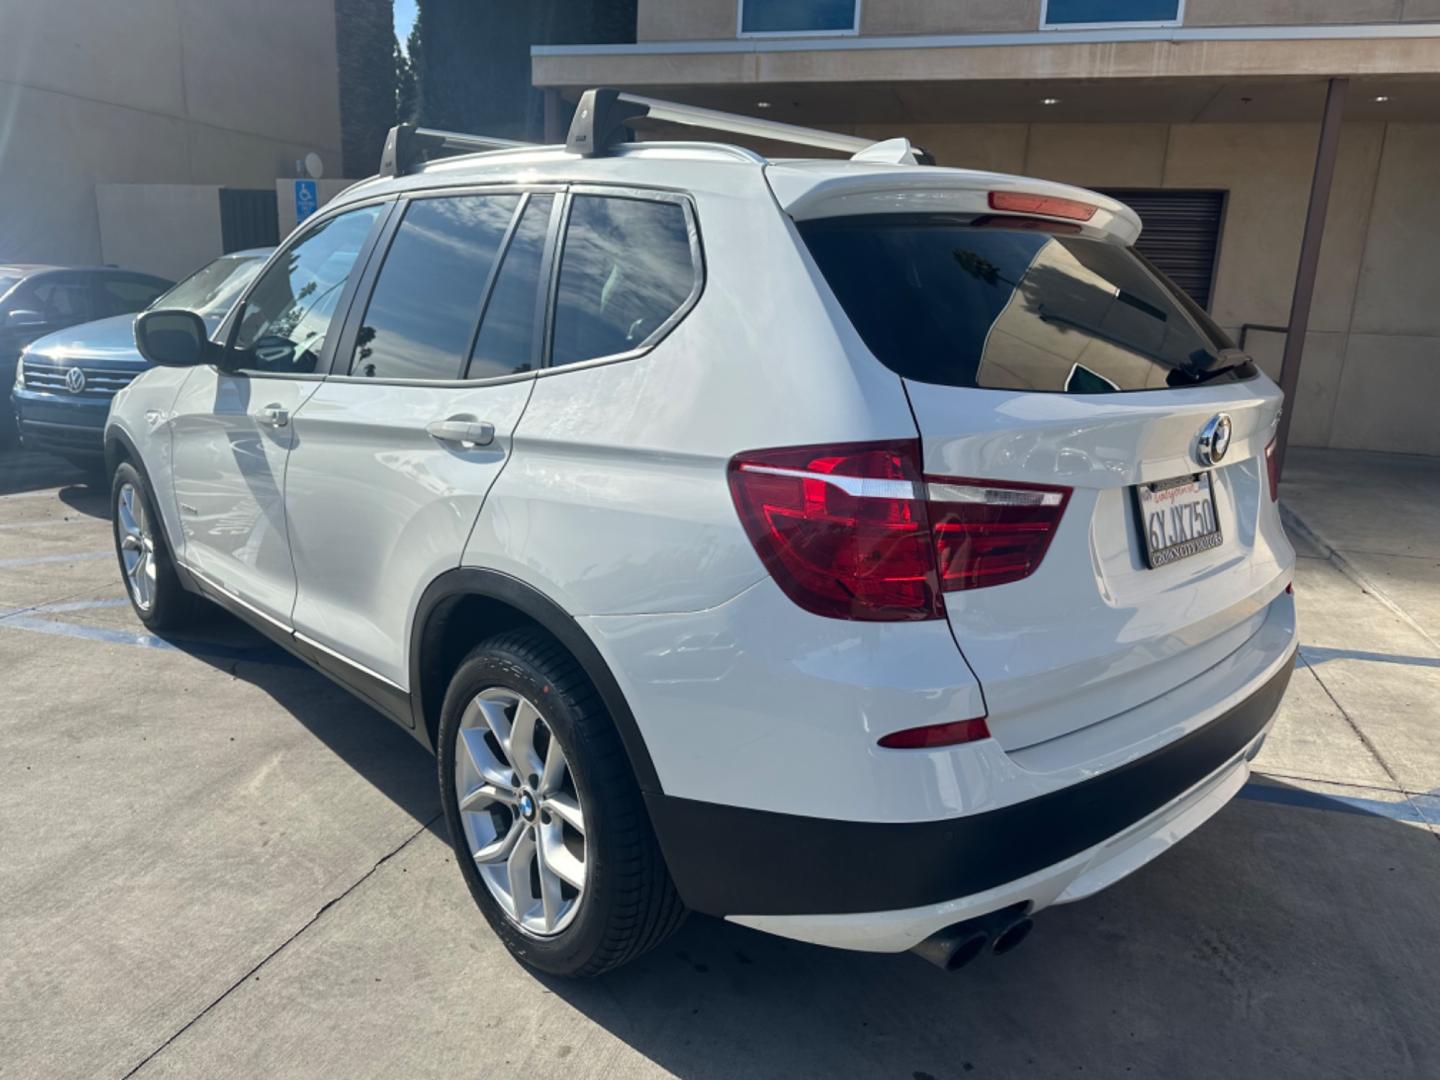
<point>364,45</point>
<point>472,57</point>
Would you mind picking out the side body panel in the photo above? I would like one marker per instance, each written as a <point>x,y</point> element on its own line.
<point>229,479</point>
<point>378,509</point>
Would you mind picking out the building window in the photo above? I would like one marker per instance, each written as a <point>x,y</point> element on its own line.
<point>1078,14</point>
<point>799,17</point>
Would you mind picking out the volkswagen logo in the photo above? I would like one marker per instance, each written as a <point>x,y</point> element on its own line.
<point>75,380</point>
<point>1214,439</point>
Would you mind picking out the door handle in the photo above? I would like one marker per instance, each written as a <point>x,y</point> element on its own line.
<point>273,416</point>
<point>464,431</point>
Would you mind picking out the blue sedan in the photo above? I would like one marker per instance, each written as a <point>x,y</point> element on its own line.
<point>64,381</point>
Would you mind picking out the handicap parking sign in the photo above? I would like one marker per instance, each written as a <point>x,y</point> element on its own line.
<point>306,199</point>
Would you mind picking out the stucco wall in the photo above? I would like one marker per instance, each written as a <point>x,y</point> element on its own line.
<point>1371,373</point>
<point>696,20</point>
<point>153,91</point>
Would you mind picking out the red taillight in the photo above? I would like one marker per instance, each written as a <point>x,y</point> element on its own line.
<point>842,529</point>
<point>1023,202</point>
<point>919,738</point>
<point>1272,469</point>
<point>991,534</point>
<point>855,532</point>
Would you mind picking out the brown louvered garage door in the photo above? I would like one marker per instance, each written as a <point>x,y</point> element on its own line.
<point>1181,234</point>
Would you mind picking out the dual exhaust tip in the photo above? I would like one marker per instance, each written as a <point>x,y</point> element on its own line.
<point>1000,931</point>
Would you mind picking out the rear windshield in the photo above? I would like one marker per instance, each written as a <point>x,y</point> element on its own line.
<point>987,304</point>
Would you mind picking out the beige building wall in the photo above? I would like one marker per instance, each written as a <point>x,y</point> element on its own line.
<point>698,20</point>
<point>153,91</point>
<point>1372,357</point>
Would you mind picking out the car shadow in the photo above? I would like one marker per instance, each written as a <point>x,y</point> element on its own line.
<point>1256,946</point>
<point>29,470</point>
<point>381,752</point>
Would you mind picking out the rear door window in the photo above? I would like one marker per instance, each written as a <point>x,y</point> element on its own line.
<point>509,333</point>
<point>426,302</point>
<point>947,301</point>
<point>625,269</point>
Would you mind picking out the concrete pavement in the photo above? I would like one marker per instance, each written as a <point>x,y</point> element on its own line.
<point>213,863</point>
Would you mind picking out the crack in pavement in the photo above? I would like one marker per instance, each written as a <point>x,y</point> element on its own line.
<point>282,946</point>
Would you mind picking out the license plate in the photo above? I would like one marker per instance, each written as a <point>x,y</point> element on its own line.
<point>1177,518</point>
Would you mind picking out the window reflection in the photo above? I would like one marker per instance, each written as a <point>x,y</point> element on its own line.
<point>426,303</point>
<point>626,268</point>
<point>506,343</point>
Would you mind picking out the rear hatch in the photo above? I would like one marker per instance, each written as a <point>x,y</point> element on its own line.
<point>1047,359</point>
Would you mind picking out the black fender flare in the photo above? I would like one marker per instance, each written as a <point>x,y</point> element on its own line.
<point>114,435</point>
<point>469,581</point>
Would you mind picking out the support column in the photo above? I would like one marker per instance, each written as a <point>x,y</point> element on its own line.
<point>553,132</point>
<point>1299,323</point>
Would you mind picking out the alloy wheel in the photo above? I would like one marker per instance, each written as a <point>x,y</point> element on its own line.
<point>520,811</point>
<point>137,547</point>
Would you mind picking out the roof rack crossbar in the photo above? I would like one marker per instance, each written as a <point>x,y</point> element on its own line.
<point>603,115</point>
<point>406,146</point>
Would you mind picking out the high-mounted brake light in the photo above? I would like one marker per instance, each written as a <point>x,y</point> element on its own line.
<point>855,531</point>
<point>1024,202</point>
<point>951,734</point>
<point>1272,470</point>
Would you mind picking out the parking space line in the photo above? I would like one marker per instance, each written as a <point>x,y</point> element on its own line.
<point>36,560</point>
<point>269,655</point>
<point>49,521</point>
<point>1341,804</point>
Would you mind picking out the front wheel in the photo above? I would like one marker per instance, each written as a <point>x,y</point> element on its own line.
<point>155,592</point>
<point>545,817</point>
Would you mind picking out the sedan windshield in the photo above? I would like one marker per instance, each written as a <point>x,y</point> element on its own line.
<point>212,289</point>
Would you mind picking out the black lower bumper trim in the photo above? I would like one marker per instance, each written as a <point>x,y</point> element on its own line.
<point>728,860</point>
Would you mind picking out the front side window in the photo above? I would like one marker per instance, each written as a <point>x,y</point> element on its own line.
<point>799,16</point>
<point>507,342</point>
<point>288,314</point>
<point>947,301</point>
<point>626,268</point>
<point>426,303</point>
<point>1073,13</point>
<point>61,299</point>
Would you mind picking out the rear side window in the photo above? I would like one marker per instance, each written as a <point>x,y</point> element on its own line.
<point>626,268</point>
<point>508,334</point>
<point>426,302</point>
<point>945,301</point>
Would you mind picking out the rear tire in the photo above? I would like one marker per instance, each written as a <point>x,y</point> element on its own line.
<point>146,566</point>
<point>626,904</point>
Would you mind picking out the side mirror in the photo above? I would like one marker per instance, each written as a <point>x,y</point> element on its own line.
<point>172,338</point>
<point>24,320</point>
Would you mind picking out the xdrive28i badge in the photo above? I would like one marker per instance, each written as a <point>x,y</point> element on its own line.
<point>1214,439</point>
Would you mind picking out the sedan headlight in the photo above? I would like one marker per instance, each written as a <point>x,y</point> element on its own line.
<point>20,371</point>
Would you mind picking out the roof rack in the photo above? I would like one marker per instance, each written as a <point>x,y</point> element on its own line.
<point>407,146</point>
<point>604,114</point>
<point>602,120</point>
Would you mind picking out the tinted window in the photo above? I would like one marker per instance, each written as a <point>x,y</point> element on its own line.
<point>1081,12</point>
<point>942,302</point>
<point>122,295</point>
<point>506,343</point>
<point>796,16</point>
<point>289,312</point>
<point>427,299</point>
<point>626,268</point>
<point>213,288</point>
<point>61,299</point>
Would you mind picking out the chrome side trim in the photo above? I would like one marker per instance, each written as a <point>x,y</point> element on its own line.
<point>229,595</point>
<point>210,583</point>
<point>313,644</point>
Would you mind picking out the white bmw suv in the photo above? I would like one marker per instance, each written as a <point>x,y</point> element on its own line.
<point>864,552</point>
